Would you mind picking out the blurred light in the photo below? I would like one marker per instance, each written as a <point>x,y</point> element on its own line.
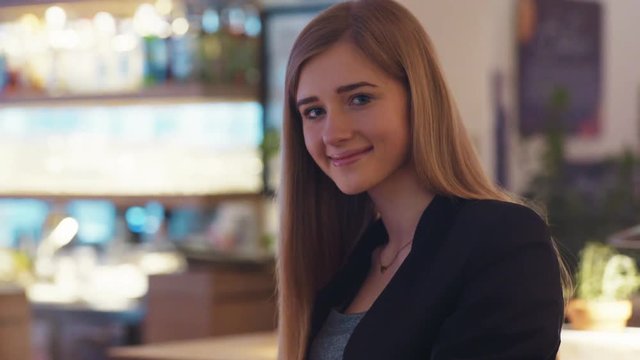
<point>96,220</point>
<point>64,232</point>
<point>210,21</point>
<point>180,26</point>
<point>255,166</point>
<point>161,263</point>
<point>30,21</point>
<point>154,217</point>
<point>64,39</point>
<point>162,28</point>
<point>7,266</point>
<point>145,19</point>
<point>110,287</point>
<point>252,26</point>
<point>51,293</point>
<point>164,7</point>
<point>136,217</point>
<point>104,23</point>
<point>55,165</point>
<point>55,17</point>
<point>234,17</point>
<point>124,43</point>
<point>86,34</point>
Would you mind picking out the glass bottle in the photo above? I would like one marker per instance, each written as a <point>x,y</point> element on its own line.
<point>211,46</point>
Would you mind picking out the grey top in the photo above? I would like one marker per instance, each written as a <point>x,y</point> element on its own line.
<point>330,342</point>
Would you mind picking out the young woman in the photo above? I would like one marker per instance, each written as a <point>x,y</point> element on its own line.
<point>394,244</point>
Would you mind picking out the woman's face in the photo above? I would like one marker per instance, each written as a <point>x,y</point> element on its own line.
<point>354,118</point>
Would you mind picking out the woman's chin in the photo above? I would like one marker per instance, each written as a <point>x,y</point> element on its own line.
<point>351,189</point>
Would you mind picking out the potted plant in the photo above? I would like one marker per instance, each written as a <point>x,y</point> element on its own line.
<point>605,282</point>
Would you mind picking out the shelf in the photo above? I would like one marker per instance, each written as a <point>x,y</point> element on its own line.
<point>177,92</point>
<point>207,257</point>
<point>8,3</point>
<point>13,9</point>
<point>170,201</point>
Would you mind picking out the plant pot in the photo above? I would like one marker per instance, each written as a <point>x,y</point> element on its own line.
<point>598,315</point>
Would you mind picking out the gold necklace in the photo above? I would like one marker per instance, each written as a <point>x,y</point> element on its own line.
<point>384,268</point>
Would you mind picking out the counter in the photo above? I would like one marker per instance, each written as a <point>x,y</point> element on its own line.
<point>14,323</point>
<point>599,345</point>
<point>256,346</point>
<point>576,345</point>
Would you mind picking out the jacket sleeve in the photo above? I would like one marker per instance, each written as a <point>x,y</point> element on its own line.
<point>510,305</point>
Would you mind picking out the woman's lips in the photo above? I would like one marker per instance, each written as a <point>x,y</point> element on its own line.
<point>349,157</point>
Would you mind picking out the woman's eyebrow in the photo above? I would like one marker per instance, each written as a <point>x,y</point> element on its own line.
<point>339,90</point>
<point>306,100</point>
<point>351,87</point>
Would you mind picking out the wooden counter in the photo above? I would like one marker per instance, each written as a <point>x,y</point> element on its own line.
<point>210,301</point>
<point>576,345</point>
<point>14,324</point>
<point>255,346</point>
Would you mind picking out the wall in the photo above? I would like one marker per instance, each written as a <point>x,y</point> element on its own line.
<point>476,38</point>
<point>460,31</point>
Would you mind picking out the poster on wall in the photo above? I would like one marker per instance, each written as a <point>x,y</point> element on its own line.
<point>559,67</point>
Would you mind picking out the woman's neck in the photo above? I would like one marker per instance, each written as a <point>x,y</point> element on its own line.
<point>401,200</point>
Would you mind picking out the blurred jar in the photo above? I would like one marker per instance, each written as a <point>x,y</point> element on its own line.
<point>210,44</point>
<point>154,30</point>
<point>241,20</point>
<point>183,47</point>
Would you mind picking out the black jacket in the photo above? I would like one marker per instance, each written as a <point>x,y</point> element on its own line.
<point>481,282</point>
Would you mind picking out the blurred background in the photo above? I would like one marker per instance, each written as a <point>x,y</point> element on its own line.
<point>139,157</point>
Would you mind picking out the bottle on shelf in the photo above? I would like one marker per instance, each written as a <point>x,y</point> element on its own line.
<point>182,47</point>
<point>210,44</point>
<point>154,30</point>
<point>241,20</point>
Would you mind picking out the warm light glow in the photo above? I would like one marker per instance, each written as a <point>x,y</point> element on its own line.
<point>254,166</point>
<point>161,263</point>
<point>51,293</point>
<point>64,39</point>
<point>104,23</point>
<point>212,147</point>
<point>30,21</point>
<point>162,28</point>
<point>64,232</point>
<point>113,284</point>
<point>180,26</point>
<point>164,7</point>
<point>55,17</point>
<point>124,43</point>
<point>145,19</point>
<point>7,266</point>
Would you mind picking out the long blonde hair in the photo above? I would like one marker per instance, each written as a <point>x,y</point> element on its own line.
<point>320,224</point>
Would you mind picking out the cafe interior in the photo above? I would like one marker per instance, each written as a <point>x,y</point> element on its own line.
<point>139,148</point>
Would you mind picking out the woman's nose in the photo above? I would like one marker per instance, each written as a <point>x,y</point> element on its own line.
<point>337,128</point>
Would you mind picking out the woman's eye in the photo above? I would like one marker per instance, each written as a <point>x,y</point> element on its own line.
<point>360,99</point>
<point>312,113</point>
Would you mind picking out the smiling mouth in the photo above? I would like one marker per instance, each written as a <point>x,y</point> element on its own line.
<point>349,157</point>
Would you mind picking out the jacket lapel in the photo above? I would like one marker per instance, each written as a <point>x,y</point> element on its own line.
<point>430,234</point>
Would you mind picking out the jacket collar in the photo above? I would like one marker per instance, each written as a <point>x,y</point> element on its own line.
<point>431,231</point>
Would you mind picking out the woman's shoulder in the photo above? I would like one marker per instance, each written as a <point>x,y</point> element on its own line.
<point>497,233</point>
<point>497,212</point>
<point>500,221</point>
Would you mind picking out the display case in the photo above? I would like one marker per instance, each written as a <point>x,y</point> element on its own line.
<point>130,142</point>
